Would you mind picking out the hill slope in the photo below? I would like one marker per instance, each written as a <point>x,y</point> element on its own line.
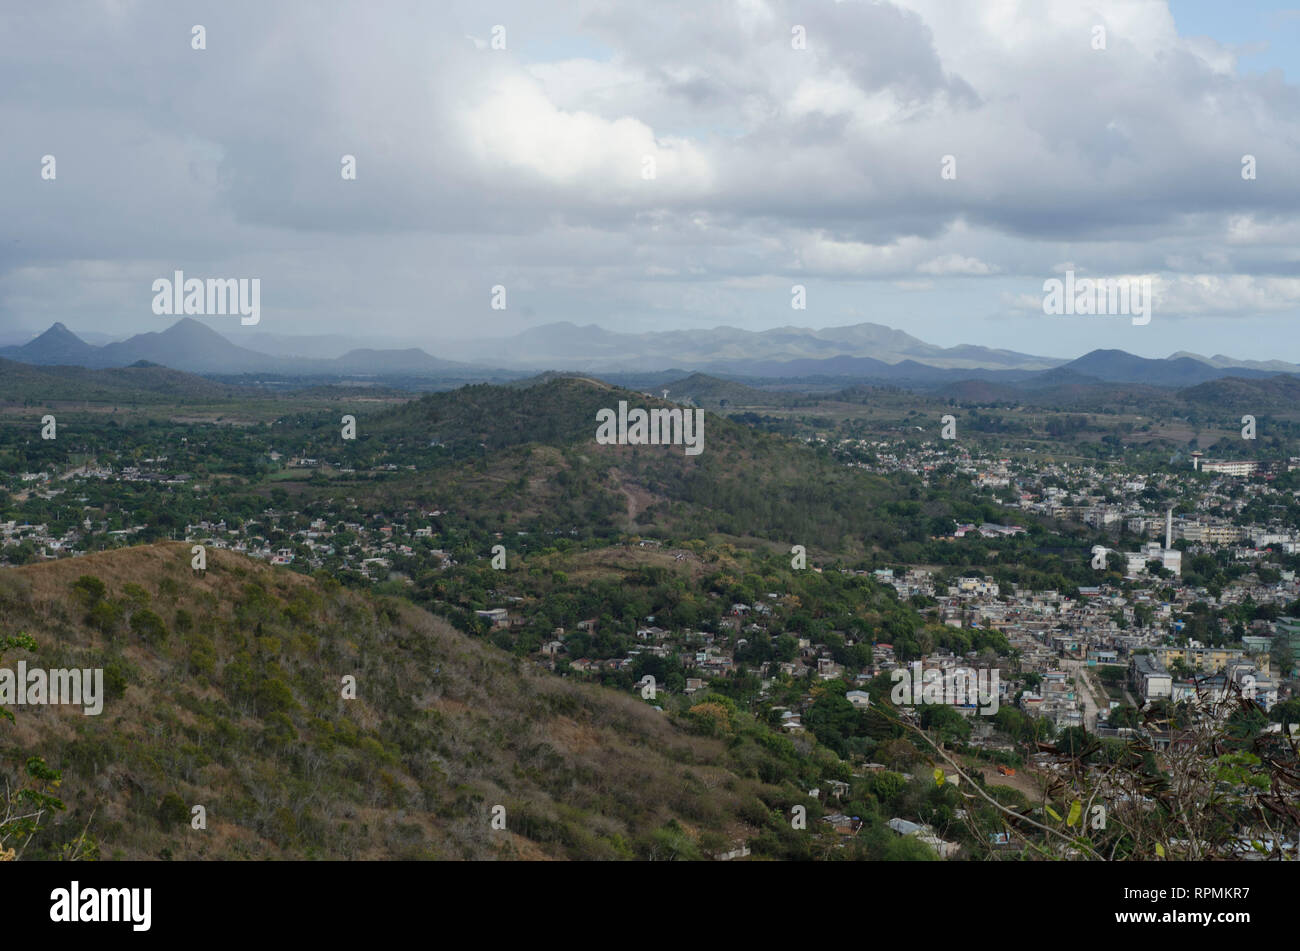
<point>1116,366</point>
<point>126,385</point>
<point>526,458</point>
<point>56,346</point>
<point>224,691</point>
<point>1274,393</point>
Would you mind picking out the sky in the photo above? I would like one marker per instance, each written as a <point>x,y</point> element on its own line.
<point>675,165</point>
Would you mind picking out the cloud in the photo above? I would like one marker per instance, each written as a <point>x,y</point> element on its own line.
<point>527,165</point>
<point>956,264</point>
<point>1196,295</point>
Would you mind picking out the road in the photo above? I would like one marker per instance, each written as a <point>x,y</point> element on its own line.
<point>1085,685</point>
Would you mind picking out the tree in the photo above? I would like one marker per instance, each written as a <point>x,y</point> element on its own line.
<point>105,617</point>
<point>21,810</point>
<point>785,648</point>
<point>22,807</point>
<point>886,786</point>
<point>1285,712</point>
<point>907,848</point>
<point>148,626</point>
<point>1075,741</point>
<point>945,722</point>
<point>899,754</point>
<point>89,590</point>
<point>1282,656</point>
<point>172,810</point>
<point>1125,716</point>
<point>833,720</point>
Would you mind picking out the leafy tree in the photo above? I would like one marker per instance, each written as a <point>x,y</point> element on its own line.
<point>1125,716</point>
<point>23,807</point>
<point>172,810</point>
<point>89,590</point>
<point>945,722</point>
<point>148,626</point>
<point>833,719</point>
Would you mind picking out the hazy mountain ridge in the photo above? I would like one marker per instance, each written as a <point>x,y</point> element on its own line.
<point>730,348</point>
<point>861,352</point>
<point>194,347</point>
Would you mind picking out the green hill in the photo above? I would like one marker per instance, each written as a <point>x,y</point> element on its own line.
<point>715,393</point>
<point>527,459</point>
<point>1276,393</point>
<point>143,383</point>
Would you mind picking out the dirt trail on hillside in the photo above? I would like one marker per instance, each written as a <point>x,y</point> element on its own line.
<point>1025,781</point>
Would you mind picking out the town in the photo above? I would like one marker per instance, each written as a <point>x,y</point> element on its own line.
<point>1187,593</point>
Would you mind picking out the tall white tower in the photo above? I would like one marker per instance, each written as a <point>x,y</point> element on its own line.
<point>1169,530</point>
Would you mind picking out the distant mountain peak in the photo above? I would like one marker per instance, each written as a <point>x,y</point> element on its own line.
<point>58,345</point>
<point>190,326</point>
<point>59,330</point>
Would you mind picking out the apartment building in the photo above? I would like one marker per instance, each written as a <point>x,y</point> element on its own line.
<point>1149,678</point>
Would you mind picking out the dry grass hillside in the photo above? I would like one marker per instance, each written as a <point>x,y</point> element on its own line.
<point>225,690</point>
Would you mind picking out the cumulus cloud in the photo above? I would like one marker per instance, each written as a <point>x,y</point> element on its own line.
<point>772,160</point>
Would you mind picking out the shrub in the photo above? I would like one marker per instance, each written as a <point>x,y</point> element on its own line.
<point>172,811</point>
<point>273,695</point>
<point>148,626</point>
<point>203,655</point>
<point>709,719</point>
<point>117,675</point>
<point>136,594</point>
<point>671,842</point>
<point>279,729</point>
<point>105,617</point>
<point>15,592</point>
<point>89,590</point>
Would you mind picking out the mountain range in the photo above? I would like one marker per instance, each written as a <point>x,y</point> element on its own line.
<point>729,349</point>
<point>196,348</point>
<point>860,353</point>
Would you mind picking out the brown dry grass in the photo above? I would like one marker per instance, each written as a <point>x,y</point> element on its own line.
<point>578,767</point>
